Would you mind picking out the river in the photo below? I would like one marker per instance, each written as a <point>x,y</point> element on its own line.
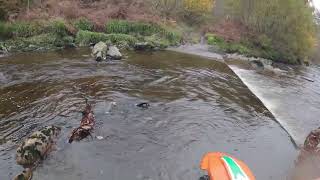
<point>197,105</point>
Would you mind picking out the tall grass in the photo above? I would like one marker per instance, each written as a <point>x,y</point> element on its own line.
<point>84,38</point>
<point>143,29</point>
<point>127,27</point>
<point>4,31</point>
<point>83,24</point>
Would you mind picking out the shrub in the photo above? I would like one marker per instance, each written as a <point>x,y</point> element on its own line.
<point>212,39</point>
<point>228,47</point>
<point>172,36</point>
<point>198,6</point>
<point>289,24</point>
<point>83,24</point>
<point>235,48</point>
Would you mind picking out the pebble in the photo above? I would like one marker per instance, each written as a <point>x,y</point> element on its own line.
<point>100,137</point>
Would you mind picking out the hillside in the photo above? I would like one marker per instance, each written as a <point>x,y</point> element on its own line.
<point>244,26</point>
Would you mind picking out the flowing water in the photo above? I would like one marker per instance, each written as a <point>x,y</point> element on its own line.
<point>292,96</point>
<point>197,106</point>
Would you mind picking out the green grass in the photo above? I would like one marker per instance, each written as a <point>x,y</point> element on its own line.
<point>256,47</point>
<point>58,27</point>
<point>83,24</point>
<point>29,36</point>
<point>127,27</point>
<point>4,31</point>
<point>84,38</point>
<point>28,29</point>
<point>143,29</point>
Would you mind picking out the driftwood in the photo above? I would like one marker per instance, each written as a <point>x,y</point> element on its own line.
<point>86,125</point>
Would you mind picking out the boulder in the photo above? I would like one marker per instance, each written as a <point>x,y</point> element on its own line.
<point>256,63</point>
<point>99,51</point>
<point>114,53</point>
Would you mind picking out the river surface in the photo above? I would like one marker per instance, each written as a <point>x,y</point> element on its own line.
<point>197,105</point>
<point>292,96</point>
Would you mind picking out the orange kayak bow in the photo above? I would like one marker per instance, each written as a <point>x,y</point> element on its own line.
<point>221,166</point>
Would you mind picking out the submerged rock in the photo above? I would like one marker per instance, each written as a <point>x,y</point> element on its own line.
<point>114,53</point>
<point>99,51</point>
<point>257,63</point>
<point>143,46</point>
<point>25,175</point>
<point>37,146</point>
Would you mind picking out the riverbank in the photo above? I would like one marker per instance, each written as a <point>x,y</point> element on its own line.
<point>59,34</point>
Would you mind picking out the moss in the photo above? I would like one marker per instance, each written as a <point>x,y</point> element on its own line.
<point>39,136</point>
<point>157,42</point>
<point>84,38</point>
<point>32,154</point>
<point>35,43</point>
<point>47,132</point>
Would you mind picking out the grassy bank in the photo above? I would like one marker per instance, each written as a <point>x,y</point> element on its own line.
<point>256,47</point>
<point>56,34</point>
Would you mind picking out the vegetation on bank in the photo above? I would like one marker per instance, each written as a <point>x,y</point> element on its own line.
<point>37,35</point>
<point>281,30</point>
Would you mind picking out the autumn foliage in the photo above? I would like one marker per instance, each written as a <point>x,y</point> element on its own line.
<point>199,6</point>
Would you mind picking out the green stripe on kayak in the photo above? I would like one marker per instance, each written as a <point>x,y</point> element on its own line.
<point>234,169</point>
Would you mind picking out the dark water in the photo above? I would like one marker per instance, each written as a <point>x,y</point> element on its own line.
<point>197,105</point>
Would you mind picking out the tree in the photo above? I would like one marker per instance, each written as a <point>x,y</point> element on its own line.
<point>288,23</point>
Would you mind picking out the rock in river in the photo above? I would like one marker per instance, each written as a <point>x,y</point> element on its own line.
<point>99,51</point>
<point>114,53</point>
<point>143,46</point>
<point>37,146</point>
